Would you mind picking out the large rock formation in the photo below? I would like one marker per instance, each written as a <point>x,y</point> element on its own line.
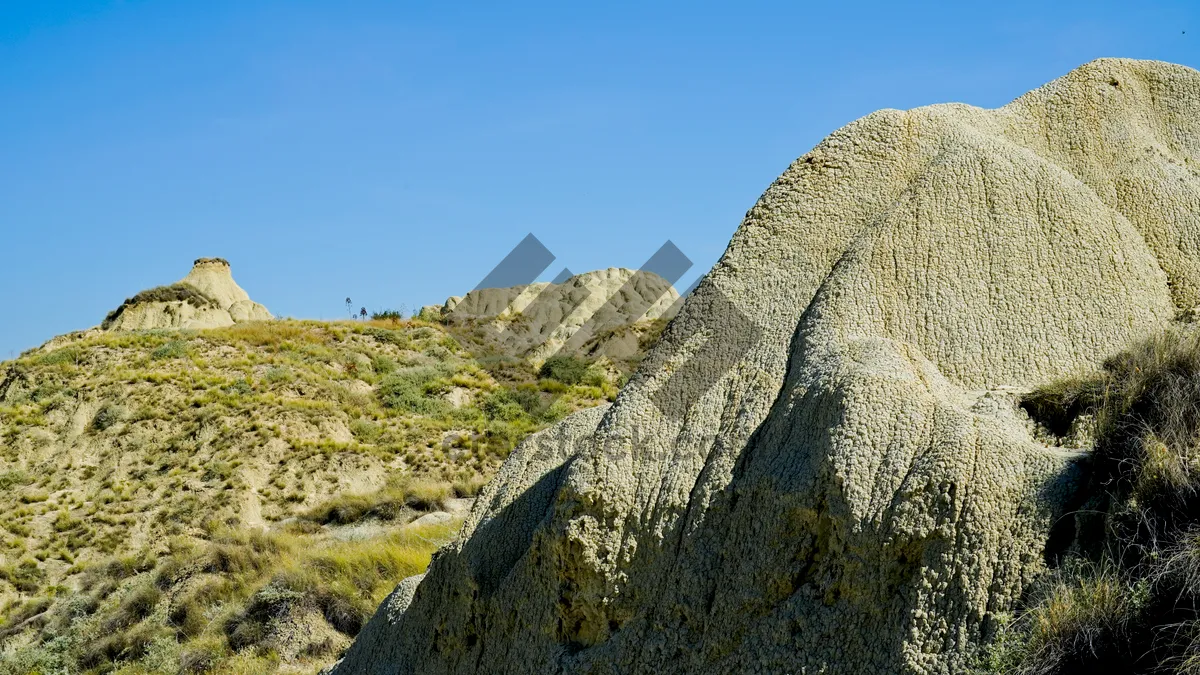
<point>207,297</point>
<point>542,319</point>
<point>821,466</point>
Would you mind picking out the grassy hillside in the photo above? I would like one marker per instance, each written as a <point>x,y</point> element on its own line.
<point>239,499</point>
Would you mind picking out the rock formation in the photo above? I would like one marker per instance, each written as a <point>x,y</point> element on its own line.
<point>541,319</point>
<point>207,297</point>
<point>821,466</point>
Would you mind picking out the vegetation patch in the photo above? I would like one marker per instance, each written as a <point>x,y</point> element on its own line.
<point>193,426</point>
<point>1125,596</point>
<point>172,293</point>
<point>221,604</point>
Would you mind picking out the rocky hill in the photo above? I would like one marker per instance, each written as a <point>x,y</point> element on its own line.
<point>214,491</point>
<point>823,465</point>
<point>611,313</point>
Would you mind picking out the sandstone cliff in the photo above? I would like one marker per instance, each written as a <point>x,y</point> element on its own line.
<point>821,466</point>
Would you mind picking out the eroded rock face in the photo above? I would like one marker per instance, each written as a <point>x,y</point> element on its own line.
<point>820,467</point>
<point>543,319</point>
<point>207,297</point>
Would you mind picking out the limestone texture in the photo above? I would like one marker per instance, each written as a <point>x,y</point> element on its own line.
<point>821,466</point>
<point>207,297</point>
<point>542,319</point>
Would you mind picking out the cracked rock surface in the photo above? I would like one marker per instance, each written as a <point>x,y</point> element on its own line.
<point>820,467</point>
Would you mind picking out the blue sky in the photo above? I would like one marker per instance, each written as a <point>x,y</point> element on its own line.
<point>394,152</point>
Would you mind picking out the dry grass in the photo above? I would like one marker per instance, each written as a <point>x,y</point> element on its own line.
<point>183,429</point>
<point>390,503</point>
<point>220,605</point>
<point>1128,598</point>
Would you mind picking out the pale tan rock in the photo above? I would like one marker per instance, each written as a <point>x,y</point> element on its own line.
<point>542,319</point>
<point>150,315</point>
<point>248,310</point>
<point>856,491</point>
<point>207,297</point>
<point>458,397</point>
<point>212,277</point>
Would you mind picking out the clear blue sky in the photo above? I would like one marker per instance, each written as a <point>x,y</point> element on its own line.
<point>393,152</point>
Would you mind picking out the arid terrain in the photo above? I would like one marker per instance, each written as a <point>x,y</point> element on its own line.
<point>240,498</point>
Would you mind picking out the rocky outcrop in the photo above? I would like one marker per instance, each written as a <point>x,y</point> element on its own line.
<point>821,466</point>
<point>542,319</point>
<point>207,297</point>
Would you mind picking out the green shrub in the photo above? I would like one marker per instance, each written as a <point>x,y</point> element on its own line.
<point>137,604</point>
<point>108,415</point>
<point>387,315</point>
<point>13,478</point>
<point>409,390</point>
<point>502,405</point>
<point>23,612</point>
<point>1081,616</point>
<point>25,576</point>
<point>438,352</point>
<point>425,495</point>
<point>174,349</point>
<point>62,355</point>
<point>594,376</point>
<point>351,508</point>
<point>278,374</point>
<point>383,364</point>
<point>365,431</point>
<point>469,486</point>
<point>565,368</point>
<point>394,337</point>
<point>386,504</point>
<point>240,387</point>
<point>200,659</point>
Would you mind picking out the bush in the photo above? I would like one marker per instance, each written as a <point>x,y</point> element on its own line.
<point>408,390</point>
<point>240,387</point>
<point>187,613</point>
<point>387,315</point>
<point>365,431</point>
<point>62,355</point>
<point>106,416</point>
<point>385,504</point>
<point>137,604</point>
<point>171,350</point>
<point>564,368</point>
<point>1081,617</point>
<point>347,509</point>
<point>502,405</point>
<point>26,576</point>
<point>383,364</point>
<point>11,479</point>
<point>200,659</point>
<point>1138,520</point>
<point>277,374</point>
<point>468,487</point>
<point>394,337</point>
